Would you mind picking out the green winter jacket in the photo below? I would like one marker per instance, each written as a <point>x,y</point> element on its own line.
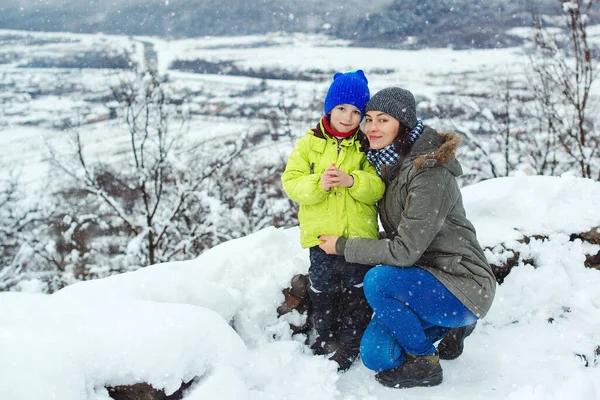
<point>348,212</point>
<point>425,223</point>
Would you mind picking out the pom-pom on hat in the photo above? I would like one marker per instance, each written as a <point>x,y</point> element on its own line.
<point>348,88</point>
<point>396,102</point>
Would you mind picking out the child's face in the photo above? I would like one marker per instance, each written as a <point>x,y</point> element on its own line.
<point>344,117</point>
<point>381,129</point>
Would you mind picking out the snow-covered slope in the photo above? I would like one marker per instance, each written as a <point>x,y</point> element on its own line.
<point>215,317</point>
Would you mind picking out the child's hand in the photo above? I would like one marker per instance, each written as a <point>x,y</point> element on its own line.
<point>326,181</point>
<point>336,177</point>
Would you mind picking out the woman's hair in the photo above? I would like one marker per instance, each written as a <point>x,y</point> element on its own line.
<point>402,142</point>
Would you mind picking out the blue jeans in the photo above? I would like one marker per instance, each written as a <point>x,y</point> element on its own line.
<point>413,310</point>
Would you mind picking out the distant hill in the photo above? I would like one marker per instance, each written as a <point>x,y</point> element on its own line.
<point>379,23</point>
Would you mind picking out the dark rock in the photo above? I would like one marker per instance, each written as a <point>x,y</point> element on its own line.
<point>145,391</point>
<point>296,298</point>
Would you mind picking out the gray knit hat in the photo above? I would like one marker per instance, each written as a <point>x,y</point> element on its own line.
<point>396,102</point>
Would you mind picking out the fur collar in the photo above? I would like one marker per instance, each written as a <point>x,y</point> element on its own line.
<point>440,153</point>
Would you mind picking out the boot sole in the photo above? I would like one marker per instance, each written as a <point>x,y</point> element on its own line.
<point>432,380</point>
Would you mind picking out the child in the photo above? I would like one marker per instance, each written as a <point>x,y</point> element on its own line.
<point>329,175</point>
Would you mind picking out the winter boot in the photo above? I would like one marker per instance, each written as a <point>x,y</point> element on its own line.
<point>324,344</point>
<point>416,371</point>
<point>325,312</point>
<point>344,356</point>
<point>355,315</point>
<point>453,344</point>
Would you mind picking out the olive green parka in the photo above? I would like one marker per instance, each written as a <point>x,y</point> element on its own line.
<point>425,223</point>
<point>341,211</point>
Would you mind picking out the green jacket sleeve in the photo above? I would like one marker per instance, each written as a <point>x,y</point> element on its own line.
<point>368,188</point>
<point>299,182</point>
<point>431,195</point>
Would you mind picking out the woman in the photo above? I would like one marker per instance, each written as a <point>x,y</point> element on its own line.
<point>432,274</point>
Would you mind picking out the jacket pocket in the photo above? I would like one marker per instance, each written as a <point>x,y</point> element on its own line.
<point>450,263</point>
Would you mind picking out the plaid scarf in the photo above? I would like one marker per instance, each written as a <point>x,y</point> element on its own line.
<point>388,155</point>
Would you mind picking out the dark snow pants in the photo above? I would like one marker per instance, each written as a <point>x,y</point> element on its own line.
<point>339,307</point>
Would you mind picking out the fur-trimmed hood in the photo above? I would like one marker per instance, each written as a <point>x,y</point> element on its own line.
<point>433,148</point>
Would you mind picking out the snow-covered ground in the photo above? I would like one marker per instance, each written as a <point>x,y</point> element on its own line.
<point>215,317</point>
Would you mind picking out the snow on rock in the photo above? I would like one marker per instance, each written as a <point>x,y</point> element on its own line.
<point>505,209</point>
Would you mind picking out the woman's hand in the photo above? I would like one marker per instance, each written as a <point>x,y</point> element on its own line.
<point>328,245</point>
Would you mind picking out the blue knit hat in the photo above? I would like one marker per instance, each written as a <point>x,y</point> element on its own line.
<point>348,88</point>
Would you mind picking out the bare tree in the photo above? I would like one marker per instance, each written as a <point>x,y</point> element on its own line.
<point>8,220</point>
<point>494,130</point>
<point>155,198</point>
<point>548,126</point>
<point>19,224</point>
<point>253,191</point>
<point>501,149</point>
<point>563,72</point>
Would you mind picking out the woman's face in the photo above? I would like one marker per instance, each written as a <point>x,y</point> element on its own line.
<point>344,118</point>
<point>381,129</point>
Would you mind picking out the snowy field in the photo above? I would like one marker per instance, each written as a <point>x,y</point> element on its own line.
<point>41,107</point>
<point>215,318</point>
<point>45,106</point>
